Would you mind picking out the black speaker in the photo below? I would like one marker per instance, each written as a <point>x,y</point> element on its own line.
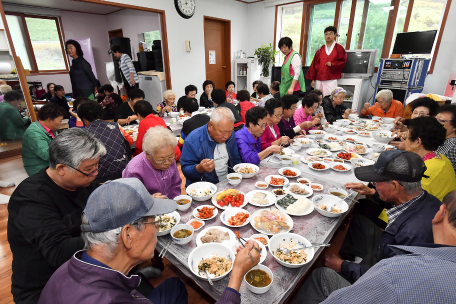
<point>158,58</point>
<point>137,66</point>
<point>124,44</point>
<point>147,60</point>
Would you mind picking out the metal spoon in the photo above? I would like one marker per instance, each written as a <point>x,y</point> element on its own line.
<point>286,250</point>
<point>208,278</point>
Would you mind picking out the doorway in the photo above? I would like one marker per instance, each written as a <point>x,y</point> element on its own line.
<point>115,33</point>
<point>217,43</point>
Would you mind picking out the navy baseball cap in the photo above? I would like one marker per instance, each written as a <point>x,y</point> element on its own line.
<point>396,165</point>
<point>121,202</point>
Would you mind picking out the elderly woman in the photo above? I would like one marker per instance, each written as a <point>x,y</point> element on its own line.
<point>385,106</point>
<point>12,124</point>
<point>426,134</point>
<point>38,136</point>
<point>3,89</point>
<point>446,115</point>
<point>271,136</point>
<point>206,97</point>
<point>125,112</point>
<point>333,105</point>
<point>156,166</point>
<point>302,117</point>
<point>83,81</point>
<point>248,139</point>
<point>118,150</point>
<point>168,105</point>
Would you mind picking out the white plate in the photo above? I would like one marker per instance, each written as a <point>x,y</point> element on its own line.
<point>281,170</point>
<point>214,201</point>
<point>286,218</point>
<point>350,132</point>
<point>268,179</point>
<point>347,166</point>
<point>287,151</point>
<point>269,196</point>
<point>259,235</point>
<point>195,212</point>
<point>351,141</point>
<point>347,152</point>
<point>176,216</point>
<point>302,186</point>
<point>321,162</point>
<point>367,133</point>
<point>352,150</point>
<point>228,213</point>
<point>306,212</point>
<point>263,254</point>
<point>221,228</point>
<point>304,160</point>
<point>206,251</point>
<point>196,220</point>
<point>325,153</point>
<point>333,136</point>
<point>361,162</point>
<point>317,190</point>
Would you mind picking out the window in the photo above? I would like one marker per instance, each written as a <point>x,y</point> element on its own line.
<point>291,26</point>
<point>372,24</point>
<point>149,38</point>
<point>37,41</point>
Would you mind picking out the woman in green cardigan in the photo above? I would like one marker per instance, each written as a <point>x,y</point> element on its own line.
<point>12,124</point>
<point>36,140</point>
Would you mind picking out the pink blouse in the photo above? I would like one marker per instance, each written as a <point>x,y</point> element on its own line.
<point>300,116</point>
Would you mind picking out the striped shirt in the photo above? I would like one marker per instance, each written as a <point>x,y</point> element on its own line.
<point>419,275</point>
<point>449,150</point>
<point>126,65</point>
<point>394,213</point>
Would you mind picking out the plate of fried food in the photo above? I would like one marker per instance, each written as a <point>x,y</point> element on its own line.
<point>205,212</point>
<point>246,170</point>
<point>271,221</point>
<point>235,217</point>
<point>276,180</point>
<point>229,198</point>
<point>216,234</point>
<point>289,172</point>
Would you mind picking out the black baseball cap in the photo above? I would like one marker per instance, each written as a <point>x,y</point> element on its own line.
<point>397,165</point>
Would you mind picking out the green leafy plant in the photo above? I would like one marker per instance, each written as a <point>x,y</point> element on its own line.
<point>266,55</point>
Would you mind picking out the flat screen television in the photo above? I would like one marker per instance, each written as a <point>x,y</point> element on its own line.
<point>414,42</point>
<point>360,63</point>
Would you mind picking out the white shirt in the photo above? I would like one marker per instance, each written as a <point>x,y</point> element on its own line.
<point>221,161</point>
<point>329,50</point>
<point>273,131</point>
<point>296,64</point>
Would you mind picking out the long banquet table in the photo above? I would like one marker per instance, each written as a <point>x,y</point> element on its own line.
<point>315,227</point>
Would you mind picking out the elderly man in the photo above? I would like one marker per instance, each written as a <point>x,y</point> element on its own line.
<point>210,151</point>
<point>415,275</point>
<point>45,212</point>
<point>385,106</point>
<point>397,177</point>
<point>119,236</point>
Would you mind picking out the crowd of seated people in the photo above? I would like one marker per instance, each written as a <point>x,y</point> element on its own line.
<point>72,215</point>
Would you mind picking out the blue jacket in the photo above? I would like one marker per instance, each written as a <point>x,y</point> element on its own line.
<point>199,146</point>
<point>412,227</point>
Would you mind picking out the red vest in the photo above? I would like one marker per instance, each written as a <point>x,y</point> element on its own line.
<point>245,106</point>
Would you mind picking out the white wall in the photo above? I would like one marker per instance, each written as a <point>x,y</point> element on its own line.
<point>189,68</point>
<point>261,26</point>
<point>437,81</point>
<point>133,22</point>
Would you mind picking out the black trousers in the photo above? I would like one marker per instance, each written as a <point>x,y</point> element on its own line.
<point>127,85</point>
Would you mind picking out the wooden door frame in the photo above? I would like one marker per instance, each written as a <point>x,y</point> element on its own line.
<point>226,43</point>
<point>164,32</point>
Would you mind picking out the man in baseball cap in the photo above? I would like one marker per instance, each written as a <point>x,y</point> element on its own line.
<point>397,179</point>
<point>119,228</point>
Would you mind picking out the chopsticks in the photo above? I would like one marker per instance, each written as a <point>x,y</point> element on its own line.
<point>239,238</point>
<point>165,249</point>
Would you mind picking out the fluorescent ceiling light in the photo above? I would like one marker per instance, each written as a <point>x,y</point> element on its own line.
<point>380,1</point>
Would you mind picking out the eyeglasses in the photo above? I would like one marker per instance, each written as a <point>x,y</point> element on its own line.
<point>89,175</point>
<point>442,121</point>
<point>278,116</point>
<point>420,114</point>
<point>164,161</point>
<point>156,223</point>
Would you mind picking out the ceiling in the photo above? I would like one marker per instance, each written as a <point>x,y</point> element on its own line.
<point>249,1</point>
<point>69,5</point>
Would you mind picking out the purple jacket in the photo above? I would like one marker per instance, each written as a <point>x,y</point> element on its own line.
<point>248,147</point>
<point>80,282</point>
<point>156,181</point>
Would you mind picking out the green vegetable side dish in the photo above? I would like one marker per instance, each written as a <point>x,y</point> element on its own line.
<point>324,146</point>
<point>286,201</point>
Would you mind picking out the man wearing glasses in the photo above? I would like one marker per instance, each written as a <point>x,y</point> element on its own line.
<point>45,212</point>
<point>118,237</point>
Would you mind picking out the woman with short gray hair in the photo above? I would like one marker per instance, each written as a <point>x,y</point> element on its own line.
<point>156,166</point>
<point>385,106</point>
<point>168,105</point>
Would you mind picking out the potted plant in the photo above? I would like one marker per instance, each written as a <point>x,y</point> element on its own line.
<point>266,55</point>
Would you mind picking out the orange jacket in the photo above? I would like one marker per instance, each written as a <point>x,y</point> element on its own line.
<point>396,109</point>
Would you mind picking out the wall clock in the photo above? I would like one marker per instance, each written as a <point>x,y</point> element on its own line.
<point>185,8</point>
